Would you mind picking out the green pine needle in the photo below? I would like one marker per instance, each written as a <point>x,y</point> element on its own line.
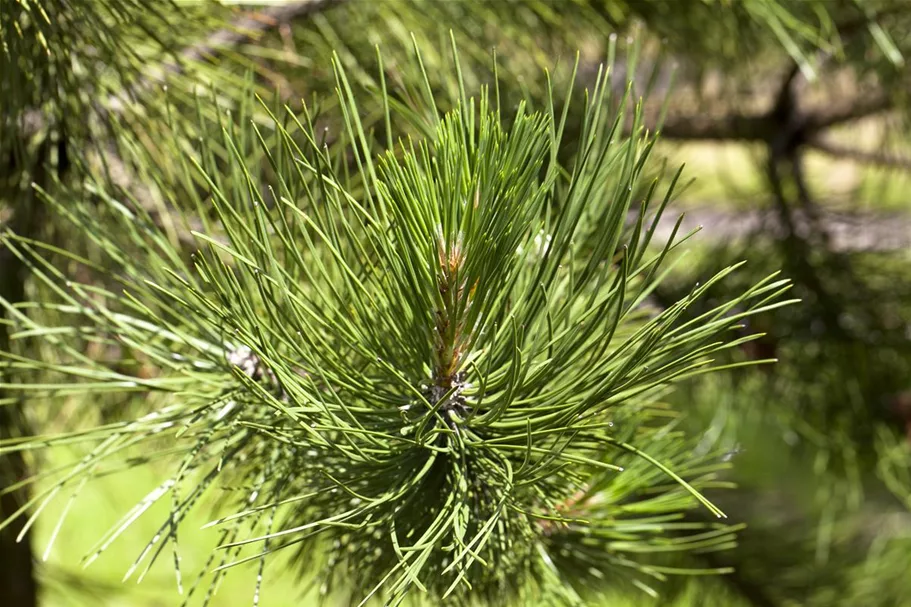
<point>428,366</point>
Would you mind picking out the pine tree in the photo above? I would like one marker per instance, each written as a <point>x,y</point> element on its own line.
<point>419,364</point>
<point>416,341</point>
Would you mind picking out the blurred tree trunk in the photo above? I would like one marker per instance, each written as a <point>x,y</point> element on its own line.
<point>18,586</point>
<point>17,581</point>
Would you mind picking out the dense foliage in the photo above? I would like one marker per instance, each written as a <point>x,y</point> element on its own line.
<point>409,313</point>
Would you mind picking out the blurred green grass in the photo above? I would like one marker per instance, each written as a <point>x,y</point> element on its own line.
<point>101,504</point>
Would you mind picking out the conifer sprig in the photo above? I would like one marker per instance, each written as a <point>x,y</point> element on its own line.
<point>433,375</point>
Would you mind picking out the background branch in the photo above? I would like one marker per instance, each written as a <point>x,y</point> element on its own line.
<point>842,152</point>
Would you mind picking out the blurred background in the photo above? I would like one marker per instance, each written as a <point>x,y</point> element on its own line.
<point>792,119</point>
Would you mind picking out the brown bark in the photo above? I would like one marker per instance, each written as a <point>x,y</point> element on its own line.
<point>18,586</point>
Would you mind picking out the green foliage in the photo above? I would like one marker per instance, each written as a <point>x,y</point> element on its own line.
<point>419,339</point>
<point>438,372</point>
<point>820,440</point>
<point>71,59</point>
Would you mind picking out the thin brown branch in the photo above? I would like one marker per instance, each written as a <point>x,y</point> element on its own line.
<point>840,113</point>
<point>247,27</point>
<point>841,152</point>
<point>759,127</point>
<point>730,127</point>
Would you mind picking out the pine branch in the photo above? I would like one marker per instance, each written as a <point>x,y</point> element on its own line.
<point>758,127</point>
<point>851,110</point>
<point>246,27</point>
<point>842,152</point>
<point>421,361</point>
